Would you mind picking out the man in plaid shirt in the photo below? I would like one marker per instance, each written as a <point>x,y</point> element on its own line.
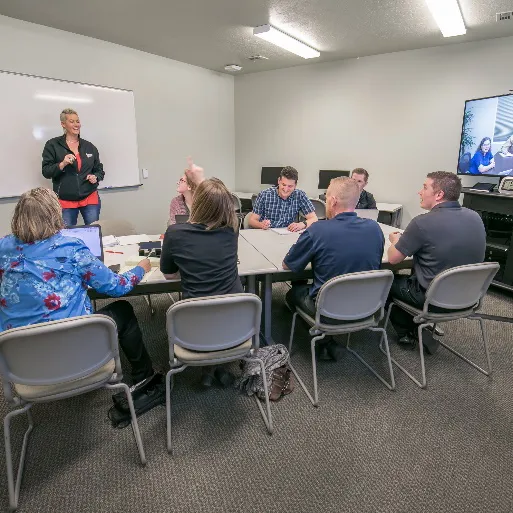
<point>279,206</point>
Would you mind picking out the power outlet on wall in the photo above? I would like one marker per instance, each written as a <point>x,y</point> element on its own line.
<point>145,173</point>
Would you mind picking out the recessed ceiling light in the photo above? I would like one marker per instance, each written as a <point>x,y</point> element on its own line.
<point>232,67</point>
<point>258,58</point>
<point>448,16</point>
<point>285,41</point>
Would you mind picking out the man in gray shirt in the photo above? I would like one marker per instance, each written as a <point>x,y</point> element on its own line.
<point>447,236</point>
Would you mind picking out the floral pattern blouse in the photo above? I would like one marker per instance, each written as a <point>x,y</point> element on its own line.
<point>48,280</point>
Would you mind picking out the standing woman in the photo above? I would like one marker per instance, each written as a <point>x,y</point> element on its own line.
<point>74,166</point>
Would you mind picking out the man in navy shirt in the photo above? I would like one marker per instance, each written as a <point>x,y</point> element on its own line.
<point>278,207</point>
<point>345,243</point>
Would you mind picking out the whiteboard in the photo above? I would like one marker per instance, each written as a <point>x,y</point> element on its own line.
<point>29,115</point>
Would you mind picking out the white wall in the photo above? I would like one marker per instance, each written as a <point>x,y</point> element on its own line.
<point>180,109</point>
<point>397,115</point>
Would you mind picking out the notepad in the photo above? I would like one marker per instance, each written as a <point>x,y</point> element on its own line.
<point>284,231</point>
<point>109,240</point>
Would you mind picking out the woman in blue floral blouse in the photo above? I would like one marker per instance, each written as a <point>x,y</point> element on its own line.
<point>44,276</point>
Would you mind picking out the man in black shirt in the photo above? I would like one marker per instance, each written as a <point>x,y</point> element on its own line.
<point>361,176</point>
<point>447,236</point>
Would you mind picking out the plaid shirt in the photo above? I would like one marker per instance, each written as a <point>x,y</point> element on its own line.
<point>281,212</point>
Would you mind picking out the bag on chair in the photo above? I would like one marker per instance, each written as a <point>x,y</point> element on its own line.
<point>278,373</point>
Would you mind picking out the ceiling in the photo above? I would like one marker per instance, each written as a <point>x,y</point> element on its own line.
<point>213,33</point>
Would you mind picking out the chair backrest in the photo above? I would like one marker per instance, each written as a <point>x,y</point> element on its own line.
<point>58,351</point>
<point>116,227</point>
<point>236,202</point>
<point>320,208</point>
<point>246,225</point>
<point>213,323</point>
<point>354,296</point>
<point>253,199</point>
<point>367,213</point>
<point>460,287</point>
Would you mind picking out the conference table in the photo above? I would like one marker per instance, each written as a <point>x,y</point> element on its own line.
<point>260,254</point>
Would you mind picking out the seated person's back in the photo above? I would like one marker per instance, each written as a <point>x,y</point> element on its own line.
<point>204,250</point>
<point>342,244</point>
<point>279,206</point>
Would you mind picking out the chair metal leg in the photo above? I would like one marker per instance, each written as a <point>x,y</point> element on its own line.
<point>14,486</point>
<point>171,297</point>
<point>485,344</point>
<point>135,424</point>
<point>293,327</point>
<point>267,419</point>
<point>315,399</point>
<point>169,386</point>
<point>391,385</point>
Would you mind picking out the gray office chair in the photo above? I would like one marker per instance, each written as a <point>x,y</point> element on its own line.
<point>358,301</point>
<point>229,330</point>
<point>56,360</point>
<point>236,202</point>
<point>459,290</point>
<point>320,208</point>
<point>116,227</point>
<point>253,200</point>
<point>246,225</point>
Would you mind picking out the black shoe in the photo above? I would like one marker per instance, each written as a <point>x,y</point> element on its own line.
<point>436,330</point>
<point>407,341</point>
<point>334,350</point>
<point>321,352</point>
<point>225,378</point>
<point>207,380</point>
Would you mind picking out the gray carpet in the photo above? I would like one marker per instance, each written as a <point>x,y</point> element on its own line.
<point>365,449</point>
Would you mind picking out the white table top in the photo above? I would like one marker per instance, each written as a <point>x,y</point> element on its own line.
<point>389,207</point>
<point>251,261</point>
<point>274,246</point>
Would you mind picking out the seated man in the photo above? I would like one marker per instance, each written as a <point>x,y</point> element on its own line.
<point>366,199</point>
<point>447,236</point>
<point>279,206</point>
<point>345,243</point>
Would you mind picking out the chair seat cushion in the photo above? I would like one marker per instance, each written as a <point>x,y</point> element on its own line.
<point>33,392</point>
<point>188,356</point>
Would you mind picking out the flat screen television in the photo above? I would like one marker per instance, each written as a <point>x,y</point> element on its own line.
<point>325,177</point>
<point>486,144</point>
<point>270,175</point>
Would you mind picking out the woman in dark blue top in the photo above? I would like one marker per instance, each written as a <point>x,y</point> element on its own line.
<point>482,161</point>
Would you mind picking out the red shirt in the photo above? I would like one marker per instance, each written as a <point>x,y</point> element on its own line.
<point>92,199</point>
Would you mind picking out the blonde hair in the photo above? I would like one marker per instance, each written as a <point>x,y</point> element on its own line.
<point>212,205</point>
<point>192,185</point>
<point>66,112</point>
<point>345,190</point>
<point>37,215</point>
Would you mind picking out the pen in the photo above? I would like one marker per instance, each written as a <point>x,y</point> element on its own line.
<point>117,252</point>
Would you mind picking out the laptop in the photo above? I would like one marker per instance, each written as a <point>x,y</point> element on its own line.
<point>90,235</point>
<point>368,213</point>
<point>182,218</point>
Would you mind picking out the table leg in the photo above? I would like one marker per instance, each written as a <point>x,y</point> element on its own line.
<point>268,298</point>
<point>251,283</point>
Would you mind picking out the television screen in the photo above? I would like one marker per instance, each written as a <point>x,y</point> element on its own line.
<point>486,145</point>
<point>326,176</point>
<point>270,175</point>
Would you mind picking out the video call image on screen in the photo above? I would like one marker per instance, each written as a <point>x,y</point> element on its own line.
<point>486,145</point>
<point>89,235</point>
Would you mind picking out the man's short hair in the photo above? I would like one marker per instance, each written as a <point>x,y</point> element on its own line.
<point>448,183</point>
<point>360,171</point>
<point>290,173</point>
<point>346,191</point>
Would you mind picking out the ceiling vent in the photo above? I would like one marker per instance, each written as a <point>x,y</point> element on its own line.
<point>258,58</point>
<point>233,67</point>
<point>504,16</point>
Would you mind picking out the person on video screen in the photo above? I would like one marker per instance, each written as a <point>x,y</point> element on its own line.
<point>507,148</point>
<point>482,162</point>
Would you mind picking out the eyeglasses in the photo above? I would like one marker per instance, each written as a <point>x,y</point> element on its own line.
<point>182,180</point>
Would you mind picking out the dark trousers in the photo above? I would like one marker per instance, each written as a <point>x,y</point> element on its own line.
<point>299,295</point>
<point>130,338</point>
<point>409,290</point>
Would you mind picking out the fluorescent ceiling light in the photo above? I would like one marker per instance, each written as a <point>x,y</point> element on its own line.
<point>448,16</point>
<point>285,41</point>
<point>59,98</point>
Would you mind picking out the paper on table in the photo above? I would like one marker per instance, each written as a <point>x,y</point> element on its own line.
<point>126,240</point>
<point>284,231</point>
<point>109,240</point>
